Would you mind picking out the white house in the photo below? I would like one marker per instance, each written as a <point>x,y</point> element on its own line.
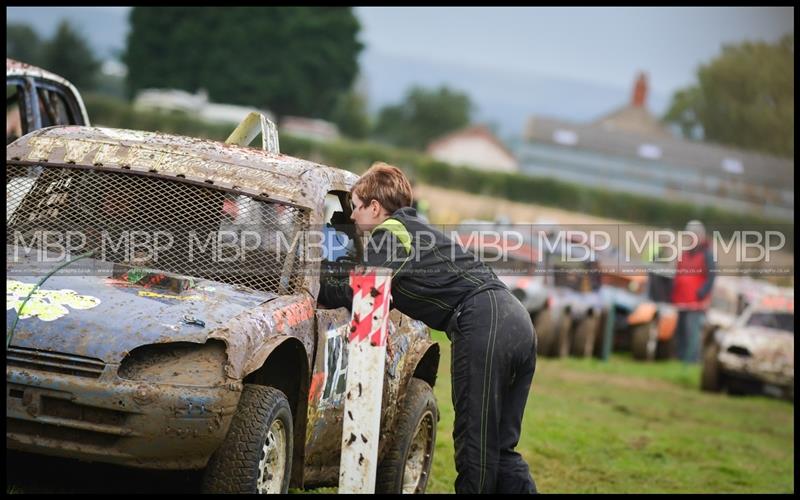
<point>309,128</point>
<point>474,147</point>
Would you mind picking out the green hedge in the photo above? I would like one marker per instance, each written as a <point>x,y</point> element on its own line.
<point>357,156</point>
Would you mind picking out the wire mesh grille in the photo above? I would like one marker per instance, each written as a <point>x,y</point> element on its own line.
<point>149,222</point>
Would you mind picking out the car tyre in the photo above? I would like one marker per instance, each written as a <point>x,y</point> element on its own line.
<point>600,336</point>
<point>644,340</point>
<point>543,324</point>
<point>406,466</point>
<point>585,333</point>
<point>562,343</point>
<point>711,377</point>
<point>667,349</point>
<point>256,454</point>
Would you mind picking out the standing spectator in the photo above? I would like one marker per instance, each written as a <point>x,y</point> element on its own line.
<point>691,292</point>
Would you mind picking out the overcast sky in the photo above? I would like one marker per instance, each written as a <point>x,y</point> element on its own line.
<point>600,44</point>
<point>605,45</point>
<point>576,63</point>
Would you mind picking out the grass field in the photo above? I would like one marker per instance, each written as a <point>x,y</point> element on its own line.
<point>589,427</point>
<point>625,426</point>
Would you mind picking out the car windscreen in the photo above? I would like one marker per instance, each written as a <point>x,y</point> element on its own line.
<point>777,320</point>
<point>146,221</point>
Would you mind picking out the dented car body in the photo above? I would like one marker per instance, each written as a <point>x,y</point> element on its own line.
<point>138,359</point>
<point>756,353</point>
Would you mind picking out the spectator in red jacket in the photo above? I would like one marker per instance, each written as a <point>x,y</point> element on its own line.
<point>691,292</point>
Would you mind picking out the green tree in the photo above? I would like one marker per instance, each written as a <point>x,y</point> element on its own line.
<point>23,44</point>
<point>350,115</point>
<point>68,54</point>
<point>291,60</point>
<point>422,116</point>
<point>743,98</point>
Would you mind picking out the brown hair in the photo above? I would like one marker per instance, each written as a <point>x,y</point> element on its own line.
<point>385,183</point>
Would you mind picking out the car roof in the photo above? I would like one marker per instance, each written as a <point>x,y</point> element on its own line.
<point>250,170</point>
<point>19,68</point>
<point>14,67</point>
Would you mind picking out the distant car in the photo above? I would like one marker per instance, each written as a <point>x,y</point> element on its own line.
<point>563,303</point>
<point>37,98</point>
<point>578,307</point>
<point>644,322</point>
<point>756,354</point>
<point>730,297</point>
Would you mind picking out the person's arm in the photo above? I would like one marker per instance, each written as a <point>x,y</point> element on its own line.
<point>335,291</point>
<point>704,290</point>
<point>383,249</point>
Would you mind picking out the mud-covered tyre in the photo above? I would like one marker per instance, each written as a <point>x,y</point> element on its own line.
<point>256,454</point>
<point>667,349</point>
<point>563,336</point>
<point>597,351</point>
<point>644,340</point>
<point>583,340</point>
<point>406,466</point>
<point>543,324</point>
<point>711,376</point>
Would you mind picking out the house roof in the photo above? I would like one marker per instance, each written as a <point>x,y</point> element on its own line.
<point>475,131</point>
<point>707,159</point>
<point>634,119</point>
<point>14,67</point>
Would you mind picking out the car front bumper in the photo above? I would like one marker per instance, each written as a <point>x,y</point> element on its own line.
<point>747,369</point>
<point>113,420</point>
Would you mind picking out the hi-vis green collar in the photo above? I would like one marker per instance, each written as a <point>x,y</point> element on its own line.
<point>399,231</point>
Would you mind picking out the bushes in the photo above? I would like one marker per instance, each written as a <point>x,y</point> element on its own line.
<point>111,112</point>
<point>357,156</point>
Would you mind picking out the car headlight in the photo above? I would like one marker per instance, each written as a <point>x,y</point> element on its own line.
<point>177,363</point>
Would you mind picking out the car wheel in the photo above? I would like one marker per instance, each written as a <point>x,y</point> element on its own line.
<point>256,454</point>
<point>563,336</point>
<point>585,332</point>
<point>667,349</point>
<point>407,464</point>
<point>543,324</point>
<point>644,340</point>
<point>711,377</point>
<point>600,335</point>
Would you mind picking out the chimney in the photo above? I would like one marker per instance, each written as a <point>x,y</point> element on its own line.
<point>639,91</point>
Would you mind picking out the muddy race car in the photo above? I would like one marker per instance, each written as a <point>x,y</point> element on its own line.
<point>141,353</point>
<point>755,354</point>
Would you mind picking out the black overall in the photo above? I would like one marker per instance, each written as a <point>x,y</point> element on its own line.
<point>493,343</point>
<point>493,360</point>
